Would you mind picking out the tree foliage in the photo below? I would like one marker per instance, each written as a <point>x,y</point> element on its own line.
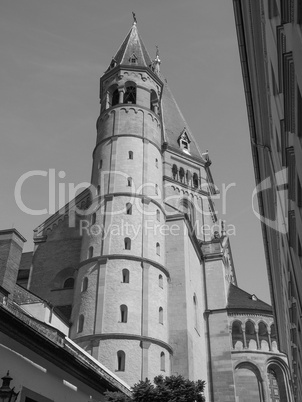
<point>168,389</point>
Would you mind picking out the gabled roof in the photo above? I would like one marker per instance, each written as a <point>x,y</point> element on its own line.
<point>175,123</point>
<point>238,299</point>
<point>133,45</point>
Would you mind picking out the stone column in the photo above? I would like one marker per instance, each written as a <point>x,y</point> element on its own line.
<point>244,339</point>
<point>121,95</point>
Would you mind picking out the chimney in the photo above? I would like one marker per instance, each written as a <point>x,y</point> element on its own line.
<point>11,246</point>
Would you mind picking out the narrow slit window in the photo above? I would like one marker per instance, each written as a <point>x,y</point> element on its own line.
<point>90,252</point>
<point>157,248</point>
<point>129,181</point>
<point>85,284</point>
<point>129,208</point>
<point>100,164</point>
<point>127,242</point>
<point>130,154</point>
<point>158,215</point>
<point>161,315</point>
<point>162,362</point>
<point>93,219</point>
<point>125,275</point>
<point>124,313</point>
<point>160,281</point>
<point>81,323</point>
<point>121,360</point>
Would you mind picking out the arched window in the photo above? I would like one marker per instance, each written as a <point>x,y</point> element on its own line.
<point>174,171</point>
<point>156,162</point>
<point>93,219</point>
<point>129,208</point>
<point>187,207</point>
<point>274,338</point>
<point>129,181</point>
<point>130,153</point>
<point>69,283</point>
<point>112,96</point>
<point>127,243</point>
<point>237,335</point>
<point>81,323</point>
<point>98,190</point>
<point>160,281</point>
<point>195,180</point>
<point>125,275</point>
<point>162,362</point>
<point>188,177</point>
<point>90,252</point>
<point>124,313</point>
<point>181,174</point>
<point>153,101</point>
<point>158,215</point>
<point>130,93</point>
<point>161,315</point>
<point>121,360</point>
<point>85,284</point>
<point>263,336</point>
<point>100,164</point>
<point>276,383</point>
<point>248,383</point>
<point>250,334</point>
<point>157,248</point>
<point>156,189</point>
<point>115,97</point>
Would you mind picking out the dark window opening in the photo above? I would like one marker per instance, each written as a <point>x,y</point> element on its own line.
<point>69,283</point>
<point>121,359</point>
<point>125,275</point>
<point>130,95</point>
<point>124,313</point>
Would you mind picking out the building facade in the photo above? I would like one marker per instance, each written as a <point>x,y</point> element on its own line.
<point>146,288</point>
<point>270,44</point>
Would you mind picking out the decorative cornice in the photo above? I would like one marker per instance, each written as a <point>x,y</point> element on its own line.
<point>115,137</point>
<point>187,187</point>
<point>115,335</point>
<point>126,257</point>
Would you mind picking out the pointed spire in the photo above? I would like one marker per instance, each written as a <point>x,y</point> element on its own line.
<point>133,51</point>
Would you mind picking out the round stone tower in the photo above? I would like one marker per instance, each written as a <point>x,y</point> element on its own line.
<point>120,304</point>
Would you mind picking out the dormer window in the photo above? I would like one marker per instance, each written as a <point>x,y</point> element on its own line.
<point>184,141</point>
<point>133,59</point>
<point>113,63</point>
<point>185,144</point>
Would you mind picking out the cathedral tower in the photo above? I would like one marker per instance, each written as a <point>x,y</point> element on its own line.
<point>123,271</point>
<point>143,272</point>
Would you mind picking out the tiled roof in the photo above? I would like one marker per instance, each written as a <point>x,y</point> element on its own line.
<point>240,300</point>
<point>24,296</point>
<point>175,123</point>
<point>133,44</point>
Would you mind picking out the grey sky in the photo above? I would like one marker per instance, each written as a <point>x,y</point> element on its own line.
<point>52,55</point>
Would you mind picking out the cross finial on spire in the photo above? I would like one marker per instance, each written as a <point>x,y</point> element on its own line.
<point>134,18</point>
<point>157,51</point>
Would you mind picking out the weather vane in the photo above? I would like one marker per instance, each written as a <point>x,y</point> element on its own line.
<point>134,17</point>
